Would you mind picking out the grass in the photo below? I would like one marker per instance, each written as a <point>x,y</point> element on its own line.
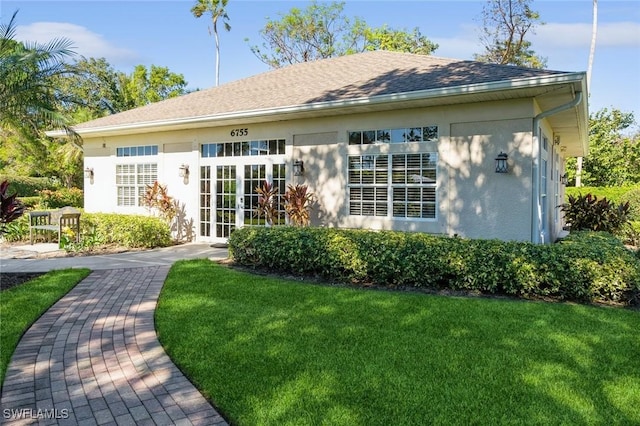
<point>269,351</point>
<point>22,305</point>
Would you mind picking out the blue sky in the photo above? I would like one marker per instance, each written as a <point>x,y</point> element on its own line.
<point>165,33</point>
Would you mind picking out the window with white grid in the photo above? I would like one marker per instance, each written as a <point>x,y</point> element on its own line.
<point>132,181</point>
<point>395,186</point>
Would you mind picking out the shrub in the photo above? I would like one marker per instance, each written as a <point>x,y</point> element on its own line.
<point>29,186</point>
<point>267,202</point>
<point>10,207</point>
<point>131,231</point>
<point>587,212</point>
<point>30,202</point>
<point>18,230</point>
<point>633,198</point>
<point>611,193</point>
<point>61,197</point>
<point>156,197</point>
<point>586,266</point>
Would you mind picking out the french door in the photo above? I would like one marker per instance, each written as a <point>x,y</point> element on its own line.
<point>228,199</point>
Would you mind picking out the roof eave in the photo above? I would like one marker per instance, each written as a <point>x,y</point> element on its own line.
<point>445,92</point>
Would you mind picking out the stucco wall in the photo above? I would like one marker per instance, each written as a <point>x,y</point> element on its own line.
<point>482,202</point>
<point>473,200</point>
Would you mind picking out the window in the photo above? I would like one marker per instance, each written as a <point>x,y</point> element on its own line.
<point>132,181</point>
<point>368,185</point>
<point>401,135</point>
<point>243,149</point>
<point>396,185</point>
<point>133,151</point>
<point>414,185</point>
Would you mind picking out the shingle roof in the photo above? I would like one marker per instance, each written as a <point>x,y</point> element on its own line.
<point>347,77</point>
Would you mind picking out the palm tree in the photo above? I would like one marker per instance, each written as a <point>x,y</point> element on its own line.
<point>217,10</point>
<point>592,51</point>
<point>27,93</point>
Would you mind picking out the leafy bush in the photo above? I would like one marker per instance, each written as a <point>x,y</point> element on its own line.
<point>630,234</point>
<point>586,266</point>
<point>611,193</point>
<point>297,204</point>
<point>131,231</point>
<point>30,202</point>
<point>61,197</point>
<point>28,186</point>
<point>633,198</point>
<point>10,207</point>
<point>18,230</point>
<point>586,212</point>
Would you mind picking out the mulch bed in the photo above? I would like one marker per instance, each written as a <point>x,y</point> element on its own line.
<point>12,279</point>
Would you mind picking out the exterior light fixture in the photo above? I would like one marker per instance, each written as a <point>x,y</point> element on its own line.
<point>298,168</point>
<point>184,173</point>
<point>501,163</point>
<point>88,173</point>
<point>564,179</point>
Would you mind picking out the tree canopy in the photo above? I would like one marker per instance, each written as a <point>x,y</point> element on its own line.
<point>322,31</point>
<point>218,11</point>
<point>92,88</point>
<point>506,24</point>
<point>28,100</point>
<point>614,157</point>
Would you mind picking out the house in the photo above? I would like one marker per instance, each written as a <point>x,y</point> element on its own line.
<point>385,140</point>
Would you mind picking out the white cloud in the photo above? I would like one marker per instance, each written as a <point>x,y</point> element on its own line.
<point>610,34</point>
<point>85,42</point>
<point>461,46</point>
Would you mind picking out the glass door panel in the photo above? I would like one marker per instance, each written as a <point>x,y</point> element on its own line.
<point>226,201</point>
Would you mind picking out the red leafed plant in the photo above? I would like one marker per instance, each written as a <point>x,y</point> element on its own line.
<point>267,202</point>
<point>157,197</point>
<point>11,207</point>
<point>297,204</point>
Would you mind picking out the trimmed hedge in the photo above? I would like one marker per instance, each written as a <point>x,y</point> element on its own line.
<point>584,267</point>
<point>633,198</point>
<point>97,229</point>
<point>131,231</point>
<point>611,193</point>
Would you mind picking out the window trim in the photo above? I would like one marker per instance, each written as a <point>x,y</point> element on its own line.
<point>390,186</point>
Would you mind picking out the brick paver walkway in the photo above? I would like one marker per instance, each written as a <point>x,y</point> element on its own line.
<point>94,358</point>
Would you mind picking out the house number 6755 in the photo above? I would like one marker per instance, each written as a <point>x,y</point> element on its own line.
<point>239,132</point>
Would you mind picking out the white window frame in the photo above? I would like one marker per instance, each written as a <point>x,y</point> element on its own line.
<point>381,187</point>
<point>133,182</point>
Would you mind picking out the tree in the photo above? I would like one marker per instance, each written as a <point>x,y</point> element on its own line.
<point>90,89</point>
<point>505,25</point>
<point>145,86</point>
<point>385,38</point>
<point>28,101</point>
<point>322,31</point>
<point>592,51</point>
<point>614,158</point>
<point>217,9</point>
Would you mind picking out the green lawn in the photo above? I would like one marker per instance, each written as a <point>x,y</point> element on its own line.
<point>275,352</point>
<point>21,306</point>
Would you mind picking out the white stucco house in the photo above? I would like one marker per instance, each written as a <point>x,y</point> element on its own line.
<point>384,140</point>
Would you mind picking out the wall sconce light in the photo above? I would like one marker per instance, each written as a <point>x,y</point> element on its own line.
<point>184,173</point>
<point>88,173</point>
<point>564,179</point>
<point>501,163</point>
<point>298,168</point>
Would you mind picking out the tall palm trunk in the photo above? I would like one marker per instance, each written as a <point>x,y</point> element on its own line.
<point>592,52</point>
